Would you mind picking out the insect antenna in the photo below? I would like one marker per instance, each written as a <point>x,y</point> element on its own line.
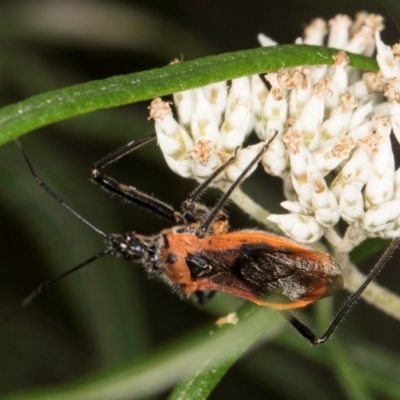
<point>53,194</point>
<point>46,285</point>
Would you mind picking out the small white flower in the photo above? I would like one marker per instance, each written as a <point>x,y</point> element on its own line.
<point>389,66</point>
<point>391,232</point>
<point>358,117</point>
<point>184,104</point>
<point>396,193</point>
<point>324,203</point>
<point>315,32</point>
<point>294,207</point>
<point>302,228</point>
<point>276,105</point>
<point>339,28</point>
<point>363,40</point>
<point>275,159</point>
<point>339,122</point>
<point>351,204</point>
<point>174,142</point>
<point>303,169</point>
<point>216,94</point>
<point>332,153</point>
<point>265,40</point>
<point>392,93</point>
<point>340,78</point>
<point>259,93</point>
<point>301,89</point>
<point>311,118</point>
<point>244,158</point>
<point>380,184</point>
<point>238,121</point>
<point>204,160</point>
<point>204,124</point>
<point>381,217</point>
<point>356,170</point>
<point>213,123</point>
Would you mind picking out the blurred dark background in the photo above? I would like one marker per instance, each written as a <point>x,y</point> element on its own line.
<point>110,313</point>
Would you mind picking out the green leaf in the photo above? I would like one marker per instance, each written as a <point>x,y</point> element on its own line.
<point>61,104</point>
<point>368,248</point>
<point>229,343</point>
<point>205,356</point>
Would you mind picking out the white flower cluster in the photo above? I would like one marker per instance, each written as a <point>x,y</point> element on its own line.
<point>213,122</point>
<point>333,146</point>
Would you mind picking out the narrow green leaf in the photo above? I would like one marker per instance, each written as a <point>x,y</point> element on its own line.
<point>57,105</point>
<point>229,344</point>
<point>213,347</point>
<point>368,248</point>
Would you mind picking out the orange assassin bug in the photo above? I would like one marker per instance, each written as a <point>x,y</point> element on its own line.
<point>200,253</point>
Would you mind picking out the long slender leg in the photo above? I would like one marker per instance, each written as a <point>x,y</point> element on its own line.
<point>123,151</point>
<point>307,333</point>
<point>196,194</point>
<point>201,297</point>
<point>207,222</point>
<point>204,214</point>
<point>128,192</point>
<point>199,211</point>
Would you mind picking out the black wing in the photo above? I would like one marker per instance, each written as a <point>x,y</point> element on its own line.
<point>271,274</point>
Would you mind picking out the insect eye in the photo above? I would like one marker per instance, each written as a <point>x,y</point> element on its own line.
<point>172,258</point>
